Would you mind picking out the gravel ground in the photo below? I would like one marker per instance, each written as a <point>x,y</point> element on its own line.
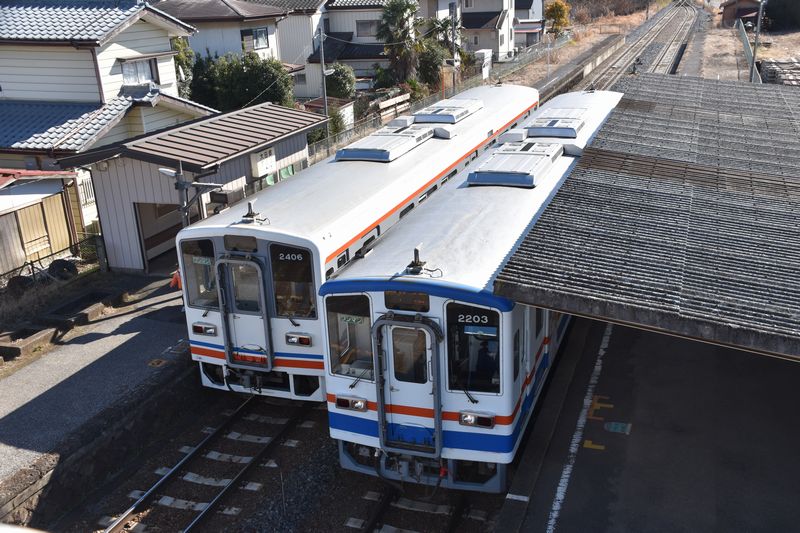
<point>90,369</point>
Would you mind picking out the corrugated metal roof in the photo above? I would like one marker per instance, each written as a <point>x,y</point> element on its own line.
<point>683,217</point>
<point>203,143</point>
<point>72,20</point>
<point>210,10</point>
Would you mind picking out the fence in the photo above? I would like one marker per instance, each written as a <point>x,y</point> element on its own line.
<point>326,147</point>
<point>85,254</point>
<point>748,50</point>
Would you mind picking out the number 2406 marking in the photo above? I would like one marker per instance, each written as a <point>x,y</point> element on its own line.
<point>290,257</point>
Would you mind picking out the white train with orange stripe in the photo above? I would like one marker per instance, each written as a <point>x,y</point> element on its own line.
<point>431,377</point>
<point>251,277</point>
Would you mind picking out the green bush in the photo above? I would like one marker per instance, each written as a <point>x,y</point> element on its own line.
<point>233,82</point>
<point>342,83</point>
<point>431,57</point>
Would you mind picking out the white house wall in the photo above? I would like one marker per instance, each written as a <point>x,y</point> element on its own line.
<point>143,119</point>
<point>345,21</point>
<point>139,39</point>
<point>50,73</point>
<point>220,38</point>
<point>295,34</point>
<point>124,182</point>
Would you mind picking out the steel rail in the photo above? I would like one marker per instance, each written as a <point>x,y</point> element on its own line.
<point>255,460</point>
<point>616,68</point>
<point>125,517</point>
<point>666,61</point>
<point>387,497</point>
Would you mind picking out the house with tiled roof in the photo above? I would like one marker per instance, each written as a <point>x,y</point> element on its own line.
<point>77,74</point>
<point>528,22</point>
<point>488,25</point>
<point>229,26</point>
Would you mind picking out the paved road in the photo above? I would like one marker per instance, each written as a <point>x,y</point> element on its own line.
<point>677,436</point>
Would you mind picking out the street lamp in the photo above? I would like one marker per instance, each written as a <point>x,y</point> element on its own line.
<point>183,186</point>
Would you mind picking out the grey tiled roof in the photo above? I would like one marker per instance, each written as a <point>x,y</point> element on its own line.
<point>352,4</point>
<point>292,5</point>
<point>66,126</point>
<point>65,20</point>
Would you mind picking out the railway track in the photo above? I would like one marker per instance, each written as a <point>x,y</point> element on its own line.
<point>675,24</point>
<point>213,469</point>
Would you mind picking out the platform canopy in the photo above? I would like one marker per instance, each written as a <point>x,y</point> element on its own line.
<point>683,216</point>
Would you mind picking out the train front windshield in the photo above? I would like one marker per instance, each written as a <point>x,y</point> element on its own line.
<point>293,282</point>
<point>200,275</point>
<point>473,359</point>
<point>350,336</point>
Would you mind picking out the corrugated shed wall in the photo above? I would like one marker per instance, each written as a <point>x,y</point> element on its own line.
<point>12,254</point>
<point>56,220</point>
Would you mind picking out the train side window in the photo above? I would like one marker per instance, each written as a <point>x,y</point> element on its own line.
<point>406,210</point>
<point>427,193</point>
<point>342,259</point>
<point>293,281</point>
<point>199,273</point>
<point>350,336</point>
<point>539,322</point>
<point>473,348</point>
<point>517,354</point>
<point>446,178</point>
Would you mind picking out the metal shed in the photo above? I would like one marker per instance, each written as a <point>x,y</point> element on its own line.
<point>244,150</point>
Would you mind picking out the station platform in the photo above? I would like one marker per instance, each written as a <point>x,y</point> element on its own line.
<point>658,433</point>
<point>71,397</point>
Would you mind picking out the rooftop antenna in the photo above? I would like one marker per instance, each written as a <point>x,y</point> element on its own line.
<point>251,215</point>
<point>415,266</point>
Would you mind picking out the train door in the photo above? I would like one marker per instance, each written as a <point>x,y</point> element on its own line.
<point>244,313</point>
<point>408,386</point>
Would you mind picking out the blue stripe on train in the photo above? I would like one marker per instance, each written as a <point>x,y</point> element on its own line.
<point>484,442</point>
<point>256,352</point>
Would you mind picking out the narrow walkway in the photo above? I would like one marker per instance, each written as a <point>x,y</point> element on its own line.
<point>97,366</point>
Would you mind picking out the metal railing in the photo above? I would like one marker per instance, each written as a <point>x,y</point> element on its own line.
<point>327,147</point>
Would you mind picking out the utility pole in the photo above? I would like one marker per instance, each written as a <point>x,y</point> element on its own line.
<point>647,9</point>
<point>453,19</point>
<point>183,194</point>
<point>755,45</point>
<point>324,84</point>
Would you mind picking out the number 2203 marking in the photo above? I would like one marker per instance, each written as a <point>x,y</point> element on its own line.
<point>473,319</point>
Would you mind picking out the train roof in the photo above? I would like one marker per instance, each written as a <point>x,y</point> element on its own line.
<point>466,233</point>
<point>332,201</point>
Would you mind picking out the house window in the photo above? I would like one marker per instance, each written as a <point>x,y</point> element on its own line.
<point>468,4</point>
<point>260,38</point>
<point>138,72</point>
<point>300,79</point>
<point>366,28</point>
<point>475,40</point>
<point>502,39</point>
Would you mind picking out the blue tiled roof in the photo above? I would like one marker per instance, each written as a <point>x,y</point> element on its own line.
<point>68,20</point>
<point>33,125</point>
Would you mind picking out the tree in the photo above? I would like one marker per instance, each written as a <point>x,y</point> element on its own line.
<point>431,57</point>
<point>398,31</point>
<point>442,31</point>
<point>557,12</point>
<point>342,83</point>
<point>184,63</point>
<point>233,82</point>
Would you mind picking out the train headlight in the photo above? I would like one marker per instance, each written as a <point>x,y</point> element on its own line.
<point>471,418</point>
<point>201,328</point>
<point>353,404</point>
<point>298,339</point>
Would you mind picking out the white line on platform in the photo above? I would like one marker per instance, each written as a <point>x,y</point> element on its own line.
<point>574,445</point>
